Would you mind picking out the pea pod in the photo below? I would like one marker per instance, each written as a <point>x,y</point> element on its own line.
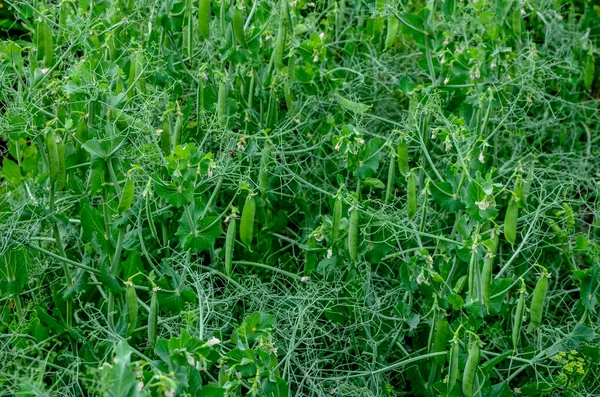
<point>510,222</point>
<point>538,297</point>
<point>53,156</point>
<point>337,219</point>
<point>153,317</point>
<point>263,175</point>
<point>392,31</point>
<point>402,157</point>
<point>471,368</point>
<point>440,340</point>
<point>165,135</point>
<point>229,242</point>
<point>247,221</point>
<point>356,107</point>
<point>132,307</point>
<point>310,257</point>
<point>238,27</point>
<point>44,43</point>
<point>588,72</point>
<point>412,195</point>
<point>222,103</point>
<point>62,170</point>
<point>453,370</point>
<point>353,233</point>
<point>126,196</point>
<point>279,45</point>
<point>287,84</point>
<point>486,279</point>
<point>204,18</point>
<point>390,179</point>
<point>518,320</point>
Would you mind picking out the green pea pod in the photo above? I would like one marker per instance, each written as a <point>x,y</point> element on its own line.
<point>229,243</point>
<point>453,370</point>
<point>471,369</point>
<point>390,179</point>
<point>263,174</point>
<point>132,307</point>
<point>355,107</point>
<point>353,233</point>
<point>178,127</point>
<point>126,197</point>
<point>412,196</point>
<point>279,45</point>
<point>153,318</point>
<point>310,256</point>
<point>589,72</point>
<point>392,31</point>
<point>518,320</point>
<point>165,136</point>
<point>62,170</point>
<point>336,221</point>
<point>510,222</point>
<point>287,84</point>
<point>222,103</point>
<point>538,297</point>
<point>44,43</point>
<point>402,157</point>
<point>440,340</point>
<point>53,156</point>
<point>238,27</point>
<point>247,221</point>
<point>486,279</point>
<point>204,18</point>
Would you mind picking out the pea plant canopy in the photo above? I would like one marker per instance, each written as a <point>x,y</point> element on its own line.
<point>299,198</point>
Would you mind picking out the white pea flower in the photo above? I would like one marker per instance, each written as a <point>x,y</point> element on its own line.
<point>483,205</point>
<point>329,253</point>
<point>481,158</point>
<point>212,342</point>
<point>304,279</point>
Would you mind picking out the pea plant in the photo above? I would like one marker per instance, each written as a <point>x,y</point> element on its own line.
<point>280,198</point>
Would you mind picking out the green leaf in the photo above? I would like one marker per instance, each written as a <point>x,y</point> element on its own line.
<point>369,159</point>
<point>120,379</point>
<point>13,271</point>
<point>92,223</point>
<point>176,194</point>
<point>98,149</point>
<point>11,171</point>
<point>443,195</point>
<point>198,234</point>
<point>373,183</point>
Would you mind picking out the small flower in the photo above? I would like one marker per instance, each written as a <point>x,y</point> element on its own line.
<point>212,342</point>
<point>481,158</point>
<point>483,205</point>
<point>329,253</point>
<point>304,279</point>
<point>191,361</point>
<point>446,80</point>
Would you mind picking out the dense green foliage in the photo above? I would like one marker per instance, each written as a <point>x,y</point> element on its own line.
<point>320,198</point>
